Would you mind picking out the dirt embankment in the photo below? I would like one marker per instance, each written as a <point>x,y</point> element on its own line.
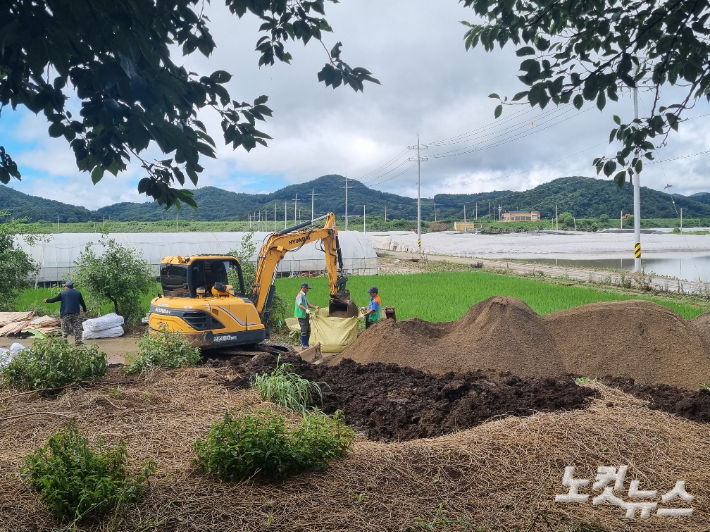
<point>390,402</point>
<point>639,339</point>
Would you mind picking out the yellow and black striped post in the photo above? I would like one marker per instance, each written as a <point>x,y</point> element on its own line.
<point>637,250</point>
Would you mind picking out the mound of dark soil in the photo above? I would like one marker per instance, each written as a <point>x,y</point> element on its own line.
<point>390,402</point>
<point>499,334</point>
<point>692,405</point>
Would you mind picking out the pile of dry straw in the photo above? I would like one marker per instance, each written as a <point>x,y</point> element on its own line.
<point>503,475</point>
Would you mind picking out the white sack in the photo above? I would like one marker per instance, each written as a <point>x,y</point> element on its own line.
<point>5,357</point>
<point>16,348</point>
<point>113,332</point>
<point>103,323</point>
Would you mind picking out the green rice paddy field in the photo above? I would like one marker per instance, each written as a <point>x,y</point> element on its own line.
<point>441,296</point>
<point>447,296</point>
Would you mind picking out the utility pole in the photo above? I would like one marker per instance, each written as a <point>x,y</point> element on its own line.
<point>435,211</point>
<point>385,214</point>
<point>637,199</point>
<point>681,219</point>
<point>476,215</point>
<point>177,227</point>
<point>419,160</point>
<point>464,217</point>
<point>285,212</point>
<point>557,220</point>
<point>489,210</point>
<point>274,216</point>
<point>295,210</point>
<point>346,200</point>
<point>313,194</point>
<point>364,227</point>
<point>57,224</point>
<point>499,211</point>
<point>259,221</point>
<point>621,220</point>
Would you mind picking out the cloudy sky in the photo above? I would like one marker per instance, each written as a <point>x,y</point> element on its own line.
<point>431,87</point>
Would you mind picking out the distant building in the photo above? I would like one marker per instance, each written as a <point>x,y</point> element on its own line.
<point>521,216</point>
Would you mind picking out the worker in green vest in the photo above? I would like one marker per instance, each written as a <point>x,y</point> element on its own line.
<point>302,310</point>
<point>373,312</point>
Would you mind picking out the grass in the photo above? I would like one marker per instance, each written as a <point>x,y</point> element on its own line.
<point>32,299</point>
<point>286,388</point>
<point>446,296</point>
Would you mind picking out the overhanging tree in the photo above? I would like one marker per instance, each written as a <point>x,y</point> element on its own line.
<point>116,56</point>
<point>583,51</point>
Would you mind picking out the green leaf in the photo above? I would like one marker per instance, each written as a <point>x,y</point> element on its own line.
<point>56,130</point>
<point>520,96</point>
<point>578,101</point>
<point>220,76</point>
<point>494,95</point>
<point>617,120</point>
<point>498,111</point>
<point>525,50</point>
<point>620,178</point>
<point>609,168</point>
<point>97,174</point>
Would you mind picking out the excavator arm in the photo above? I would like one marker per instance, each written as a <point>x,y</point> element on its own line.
<point>281,242</point>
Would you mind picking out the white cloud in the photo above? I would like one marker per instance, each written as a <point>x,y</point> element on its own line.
<point>430,86</point>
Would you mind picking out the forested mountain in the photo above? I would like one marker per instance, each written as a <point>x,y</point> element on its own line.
<point>585,197</point>
<point>582,196</point>
<point>20,205</point>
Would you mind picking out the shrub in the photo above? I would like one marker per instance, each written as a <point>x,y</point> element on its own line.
<point>53,362</point>
<point>119,275</point>
<point>16,266</point>
<point>163,349</point>
<point>75,479</point>
<point>262,446</point>
<point>286,388</point>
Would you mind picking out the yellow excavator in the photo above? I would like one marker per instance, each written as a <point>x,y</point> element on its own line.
<point>199,302</point>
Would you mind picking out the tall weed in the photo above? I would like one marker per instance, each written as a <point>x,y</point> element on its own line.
<point>261,445</point>
<point>53,362</point>
<point>286,388</point>
<point>163,349</point>
<point>75,479</point>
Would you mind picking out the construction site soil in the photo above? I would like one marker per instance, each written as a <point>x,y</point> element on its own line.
<point>388,402</point>
<point>636,338</point>
<point>394,403</point>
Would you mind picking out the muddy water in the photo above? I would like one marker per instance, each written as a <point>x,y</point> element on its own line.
<point>685,266</point>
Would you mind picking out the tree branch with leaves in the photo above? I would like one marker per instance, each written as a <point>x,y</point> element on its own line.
<point>583,51</point>
<point>116,55</point>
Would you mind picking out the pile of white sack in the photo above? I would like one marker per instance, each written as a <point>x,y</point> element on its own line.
<point>108,326</point>
<point>6,355</point>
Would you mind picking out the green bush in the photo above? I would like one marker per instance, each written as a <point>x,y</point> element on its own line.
<point>286,388</point>
<point>262,446</point>
<point>163,349</point>
<point>75,479</point>
<point>53,362</point>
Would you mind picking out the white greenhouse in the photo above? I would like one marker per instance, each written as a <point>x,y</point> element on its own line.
<point>57,254</point>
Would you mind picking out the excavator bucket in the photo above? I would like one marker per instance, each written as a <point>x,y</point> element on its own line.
<point>341,306</point>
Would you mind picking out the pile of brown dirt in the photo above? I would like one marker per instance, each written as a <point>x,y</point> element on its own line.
<point>640,339</point>
<point>395,403</point>
<point>499,334</point>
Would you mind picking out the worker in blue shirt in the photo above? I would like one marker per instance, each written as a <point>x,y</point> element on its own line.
<point>373,312</point>
<point>69,316</point>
